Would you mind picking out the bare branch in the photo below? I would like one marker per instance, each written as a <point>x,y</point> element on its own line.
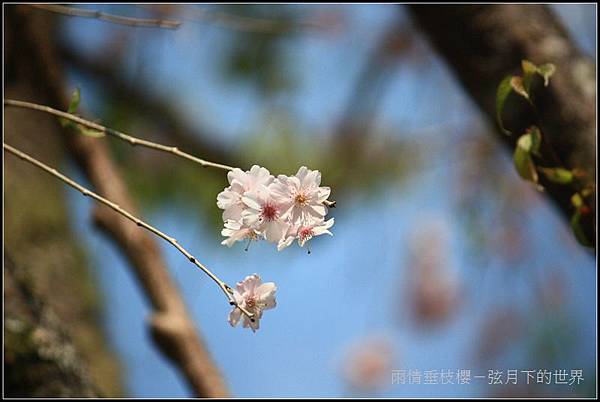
<point>242,23</point>
<point>88,193</point>
<point>40,66</point>
<point>115,19</point>
<point>150,106</point>
<point>125,137</point>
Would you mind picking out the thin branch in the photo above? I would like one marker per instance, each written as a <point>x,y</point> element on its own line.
<point>150,106</point>
<point>125,137</point>
<point>88,193</point>
<point>173,330</point>
<point>115,19</point>
<point>242,23</point>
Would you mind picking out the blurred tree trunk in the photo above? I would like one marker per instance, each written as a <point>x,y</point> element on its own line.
<point>484,43</point>
<point>54,343</point>
<point>36,62</point>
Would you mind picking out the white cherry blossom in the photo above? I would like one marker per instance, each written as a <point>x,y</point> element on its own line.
<point>259,206</point>
<point>230,199</point>
<point>264,214</point>
<point>305,232</point>
<point>235,231</point>
<point>300,196</point>
<point>254,296</point>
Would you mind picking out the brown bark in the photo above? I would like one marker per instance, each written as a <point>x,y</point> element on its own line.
<point>54,344</point>
<point>41,358</point>
<point>484,43</point>
<point>170,323</point>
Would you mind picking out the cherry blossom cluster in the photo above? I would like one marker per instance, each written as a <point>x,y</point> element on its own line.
<point>279,209</point>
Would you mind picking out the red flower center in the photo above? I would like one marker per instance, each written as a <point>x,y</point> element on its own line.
<point>269,212</point>
<point>306,233</point>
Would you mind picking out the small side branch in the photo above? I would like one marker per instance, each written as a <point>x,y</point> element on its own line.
<point>131,140</point>
<point>108,131</point>
<point>115,19</point>
<point>249,24</point>
<point>88,193</point>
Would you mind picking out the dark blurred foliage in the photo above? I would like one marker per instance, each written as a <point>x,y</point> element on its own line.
<point>259,57</point>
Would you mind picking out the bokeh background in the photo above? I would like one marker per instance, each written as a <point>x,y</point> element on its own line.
<point>442,257</point>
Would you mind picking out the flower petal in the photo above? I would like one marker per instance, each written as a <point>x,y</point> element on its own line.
<point>237,174</point>
<point>323,194</point>
<point>275,230</point>
<point>318,210</point>
<point>285,242</point>
<point>233,212</point>
<point>227,198</point>
<point>266,295</point>
<point>252,200</point>
<point>248,285</point>
<point>234,316</point>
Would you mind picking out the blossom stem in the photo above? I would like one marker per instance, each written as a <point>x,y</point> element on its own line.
<point>88,193</point>
<point>130,139</point>
<point>108,131</point>
<point>115,19</point>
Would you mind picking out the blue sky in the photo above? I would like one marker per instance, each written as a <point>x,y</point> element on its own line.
<point>353,284</point>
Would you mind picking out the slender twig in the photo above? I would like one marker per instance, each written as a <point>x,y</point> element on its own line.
<point>242,23</point>
<point>115,19</point>
<point>125,137</point>
<point>88,193</point>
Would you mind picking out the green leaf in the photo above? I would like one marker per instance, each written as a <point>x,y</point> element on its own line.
<point>586,192</point>
<point>528,67</point>
<point>529,71</point>
<point>531,141</point>
<point>578,230</point>
<point>558,175</point>
<point>523,161</point>
<point>536,139</point>
<point>546,71</point>
<point>517,85</point>
<point>90,132</point>
<point>576,200</point>
<point>504,89</point>
<point>73,105</point>
<point>75,99</point>
<point>525,142</point>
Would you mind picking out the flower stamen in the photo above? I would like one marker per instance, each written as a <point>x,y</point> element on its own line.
<point>306,234</point>
<point>250,303</point>
<point>269,212</point>
<point>301,199</point>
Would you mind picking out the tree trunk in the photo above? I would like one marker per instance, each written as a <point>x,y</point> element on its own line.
<point>54,342</point>
<point>35,62</point>
<point>484,43</point>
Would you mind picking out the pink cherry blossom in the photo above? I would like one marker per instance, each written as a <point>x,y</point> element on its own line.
<point>230,199</point>
<point>300,196</point>
<point>254,296</point>
<point>235,231</point>
<point>264,214</point>
<point>304,233</point>
<point>259,206</point>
